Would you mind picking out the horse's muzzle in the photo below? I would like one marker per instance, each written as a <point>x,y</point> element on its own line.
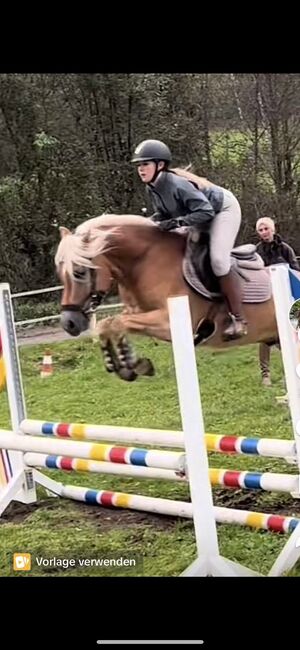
<point>74,322</point>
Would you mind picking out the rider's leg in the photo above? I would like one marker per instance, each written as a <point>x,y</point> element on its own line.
<point>230,287</point>
<point>223,233</point>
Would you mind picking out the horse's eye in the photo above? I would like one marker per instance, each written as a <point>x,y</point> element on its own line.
<point>80,274</point>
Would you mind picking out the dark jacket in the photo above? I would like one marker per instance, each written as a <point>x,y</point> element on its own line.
<point>277,252</point>
<point>173,196</point>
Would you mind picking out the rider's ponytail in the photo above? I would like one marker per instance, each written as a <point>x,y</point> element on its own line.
<point>199,181</point>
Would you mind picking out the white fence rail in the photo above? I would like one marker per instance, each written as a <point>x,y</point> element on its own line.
<point>31,321</point>
<point>36,291</point>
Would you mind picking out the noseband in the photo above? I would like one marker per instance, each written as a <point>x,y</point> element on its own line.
<point>93,301</point>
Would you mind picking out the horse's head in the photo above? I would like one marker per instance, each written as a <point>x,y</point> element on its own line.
<point>88,263</point>
<point>85,275</point>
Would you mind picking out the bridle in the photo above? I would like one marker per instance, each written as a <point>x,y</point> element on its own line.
<point>93,300</point>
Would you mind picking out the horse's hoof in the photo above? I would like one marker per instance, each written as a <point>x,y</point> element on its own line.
<point>110,368</point>
<point>144,367</point>
<point>127,374</point>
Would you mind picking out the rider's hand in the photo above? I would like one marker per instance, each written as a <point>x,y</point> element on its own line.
<point>157,216</point>
<point>169,224</point>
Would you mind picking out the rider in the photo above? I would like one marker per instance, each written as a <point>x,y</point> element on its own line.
<point>179,202</point>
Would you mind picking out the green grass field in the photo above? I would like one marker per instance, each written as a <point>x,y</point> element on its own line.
<point>234,402</point>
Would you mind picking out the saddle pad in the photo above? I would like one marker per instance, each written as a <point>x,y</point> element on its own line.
<point>255,284</point>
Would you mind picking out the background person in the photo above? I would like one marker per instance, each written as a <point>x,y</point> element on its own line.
<point>273,250</point>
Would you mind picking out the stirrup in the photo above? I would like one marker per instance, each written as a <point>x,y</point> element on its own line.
<point>236,329</point>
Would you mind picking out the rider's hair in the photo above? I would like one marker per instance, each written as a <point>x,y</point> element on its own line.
<point>199,181</point>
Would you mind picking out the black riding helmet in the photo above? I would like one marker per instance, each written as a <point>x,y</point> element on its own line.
<point>152,150</point>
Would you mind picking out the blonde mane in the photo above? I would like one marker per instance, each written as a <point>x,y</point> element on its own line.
<point>200,181</point>
<point>112,220</point>
<point>94,237</point>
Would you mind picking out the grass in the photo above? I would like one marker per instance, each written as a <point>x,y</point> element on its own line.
<point>234,402</point>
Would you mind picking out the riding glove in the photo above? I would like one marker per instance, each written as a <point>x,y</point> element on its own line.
<point>157,216</point>
<point>171,224</point>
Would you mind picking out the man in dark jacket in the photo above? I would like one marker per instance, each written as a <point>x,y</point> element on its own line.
<point>273,250</point>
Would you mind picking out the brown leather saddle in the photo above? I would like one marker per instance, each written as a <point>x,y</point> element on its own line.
<point>245,261</point>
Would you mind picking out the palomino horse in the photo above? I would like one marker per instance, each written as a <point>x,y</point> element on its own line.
<point>146,264</point>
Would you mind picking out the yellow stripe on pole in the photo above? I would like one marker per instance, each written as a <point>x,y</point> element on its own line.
<point>2,374</point>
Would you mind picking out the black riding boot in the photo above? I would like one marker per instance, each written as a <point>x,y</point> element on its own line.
<point>231,291</point>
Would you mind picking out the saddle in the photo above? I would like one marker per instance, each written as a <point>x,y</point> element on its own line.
<point>247,263</point>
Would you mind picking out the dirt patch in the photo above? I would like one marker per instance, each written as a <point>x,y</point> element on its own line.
<point>256,501</point>
<point>17,512</point>
<point>106,518</point>
<point>103,517</point>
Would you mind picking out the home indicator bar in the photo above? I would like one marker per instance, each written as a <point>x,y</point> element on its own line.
<point>150,642</point>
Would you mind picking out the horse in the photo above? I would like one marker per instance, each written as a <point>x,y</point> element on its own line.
<point>146,264</point>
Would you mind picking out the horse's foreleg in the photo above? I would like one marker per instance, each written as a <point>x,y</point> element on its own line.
<point>122,358</point>
<point>152,323</point>
<point>118,357</point>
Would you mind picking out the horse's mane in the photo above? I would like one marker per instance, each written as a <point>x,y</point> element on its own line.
<point>200,181</point>
<point>112,220</point>
<point>94,237</point>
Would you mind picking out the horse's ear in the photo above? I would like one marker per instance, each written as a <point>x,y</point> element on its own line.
<point>64,231</point>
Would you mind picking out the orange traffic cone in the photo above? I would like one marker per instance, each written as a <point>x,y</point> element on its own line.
<point>47,365</point>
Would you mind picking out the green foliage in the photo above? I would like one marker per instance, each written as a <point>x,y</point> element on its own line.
<point>295,309</point>
<point>66,143</point>
<point>35,310</point>
<point>9,188</point>
<point>45,141</point>
<point>231,146</point>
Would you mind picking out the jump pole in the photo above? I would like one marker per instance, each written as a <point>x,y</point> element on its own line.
<point>225,444</point>
<point>209,561</point>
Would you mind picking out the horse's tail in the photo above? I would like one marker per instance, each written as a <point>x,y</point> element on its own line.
<point>200,181</point>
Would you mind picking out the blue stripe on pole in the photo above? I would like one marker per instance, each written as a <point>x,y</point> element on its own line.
<point>138,457</point>
<point>51,462</point>
<point>252,480</point>
<point>48,428</point>
<point>295,284</point>
<point>91,496</point>
<point>249,446</point>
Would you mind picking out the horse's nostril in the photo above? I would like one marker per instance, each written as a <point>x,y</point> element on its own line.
<point>75,323</point>
<point>73,328</point>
